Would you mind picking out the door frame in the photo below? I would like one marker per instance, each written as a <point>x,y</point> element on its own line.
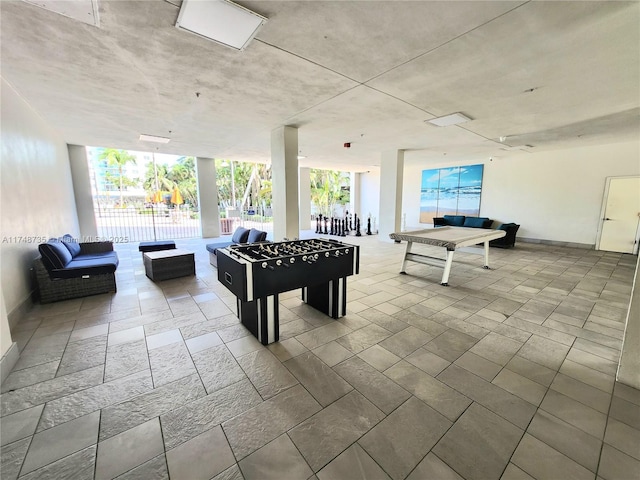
<point>603,209</point>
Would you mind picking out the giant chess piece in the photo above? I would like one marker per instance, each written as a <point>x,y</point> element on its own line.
<point>358,234</point>
<point>326,220</point>
<point>355,221</point>
<point>319,224</point>
<point>344,227</point>
<point>350,223</point>
<point>369,226</point>
<point>333,225</point>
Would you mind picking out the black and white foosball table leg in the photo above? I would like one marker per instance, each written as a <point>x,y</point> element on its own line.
<point>329,297</point>
<point>261,317</point>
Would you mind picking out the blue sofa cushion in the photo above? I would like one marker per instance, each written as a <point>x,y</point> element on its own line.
<point>256,236</point>
<point>212,247</point>
<point>455,220</point>
<point>95,264</point>
<point>477,222</point>
<point>54,254</point>
<point>72,244</point>
<point>240,235</point>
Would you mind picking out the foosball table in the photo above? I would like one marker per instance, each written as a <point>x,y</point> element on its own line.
<point>257,273</point>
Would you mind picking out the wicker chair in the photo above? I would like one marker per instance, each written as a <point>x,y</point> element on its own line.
<point>63,284</point>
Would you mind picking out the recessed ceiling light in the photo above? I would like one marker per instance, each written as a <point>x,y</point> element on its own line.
<point>153,138</point>
<point>300,157</point>
<point>222,21</point>
<point>453,119</point>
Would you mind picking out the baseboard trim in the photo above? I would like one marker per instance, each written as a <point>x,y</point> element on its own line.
<point>20,311</point>
<point>554,243</point>
<point>8,361</point>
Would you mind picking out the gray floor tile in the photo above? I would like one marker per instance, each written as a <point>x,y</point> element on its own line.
<point>575,413</point>
<point>78,466</point>
<point>617,465</point>
<point>427,362</point>
<point>158,340</point>
<point>587,375</point>
<point>203,342</point>
<point>376,387</point>
<point>11,458</point>
<point>256,427</point>
<point>354,463</point>
<point>626,412</point>
<point>544,351</point>
<point>582,392</point>
<point>124,336</point>
<point>29,376</point>
<point>202,457</point>
<point>83,354</point>
<point>231,473</point>
<point>126,358</point>
<point>478,365</point>
<point>154,469</point>
<point>499,401</point>
<point>286,349</point>
<point>332,353</point>
<point>406,341</point>
<point>555,465</point>
<point>276,460</point>
<point>322,382</point>
<point>361,339</point>
<point>627,393</point>
<point>91,399</point>
<point>217,368</point>
<point>623,437</point>
<point>567,439</point>
<point>593,361</point>
<point>433,392</point>
<point>451,344</point>
<point>42,350</point>
<point>531,370</point>
<point>20,424</point>
<point>323,436</point>
<point>39,393</point>
<point>322,335</point>
<point>125,415</point>
<point>244,345</point>
<point>479,444</point>
<point>58,442</point>
<point>432,467</point>
<point>127,450</point>
<point>399,442</point>
<point>496,348</point>
<point>514,473</point>
<point>520,386</point>
<point>170,362</point>
<point>266,373</point>
<point>194,418</point>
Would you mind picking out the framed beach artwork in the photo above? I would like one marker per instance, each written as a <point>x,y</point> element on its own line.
<point>450,191</point>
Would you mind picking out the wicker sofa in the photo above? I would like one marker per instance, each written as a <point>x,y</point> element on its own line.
<point>462,221</point>
<point>67,269</point>
<point>241,235</point>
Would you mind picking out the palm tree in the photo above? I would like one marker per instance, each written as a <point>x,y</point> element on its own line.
<point>328,189</point>
<point>118,158</point>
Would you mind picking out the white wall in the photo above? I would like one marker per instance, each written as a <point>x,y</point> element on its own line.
<point>369,197</point>
<point>553,195</point>
<point>36,193</point>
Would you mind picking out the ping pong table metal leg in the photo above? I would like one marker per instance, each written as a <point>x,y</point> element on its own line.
<point>447,268</point>
<point>404,260</point>
<point>486,254</point>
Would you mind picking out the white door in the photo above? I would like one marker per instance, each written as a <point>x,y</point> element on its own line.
<point>620,215</point>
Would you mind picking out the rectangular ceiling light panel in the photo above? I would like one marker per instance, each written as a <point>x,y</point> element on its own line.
<point>154,138</point>
<point>222,21</point>
<point>453,119</point>
<point>85,11</point>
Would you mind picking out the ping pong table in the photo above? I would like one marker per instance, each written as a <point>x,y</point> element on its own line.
<point>451,238</point>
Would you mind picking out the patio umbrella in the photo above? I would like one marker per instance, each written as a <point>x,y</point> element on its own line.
<point>176,197</point>
<point>157,197</point>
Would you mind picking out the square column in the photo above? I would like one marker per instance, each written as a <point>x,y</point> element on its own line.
<point>305,198</point>
<point>208,197</point>
<point>391,170</point>
<point>284,168</point>
<point>82,190</point>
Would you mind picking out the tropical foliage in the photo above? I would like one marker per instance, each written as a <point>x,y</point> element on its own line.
<point>159,177</point>
<point>115,175</point>
<point>241,185</point>
<point>329,188</point>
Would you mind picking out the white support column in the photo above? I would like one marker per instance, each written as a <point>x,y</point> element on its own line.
<point>305,197</point>
<point>208,197</point>
<point>82,191</point>
<point>391,170</point>
<point>354,193</point>
<point>284,165</point>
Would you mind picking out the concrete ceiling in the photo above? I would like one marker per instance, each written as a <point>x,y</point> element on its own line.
<point>544,75</point>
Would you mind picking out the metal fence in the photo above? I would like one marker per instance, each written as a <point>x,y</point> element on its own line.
<point>152,222</point>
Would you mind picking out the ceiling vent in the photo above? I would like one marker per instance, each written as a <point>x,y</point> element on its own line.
<point>222,21</point>
<point>85,11</point>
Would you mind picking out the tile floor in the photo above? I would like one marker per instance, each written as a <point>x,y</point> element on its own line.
<point>507,373</point>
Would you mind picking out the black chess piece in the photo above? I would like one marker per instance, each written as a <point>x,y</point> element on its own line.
<point>350,224</point>
<point>326,220</point>
<point>369,226</point>
<point>344,227</point>
<point>358,234</point>
<point>318,223</point>
<point>332,226</point>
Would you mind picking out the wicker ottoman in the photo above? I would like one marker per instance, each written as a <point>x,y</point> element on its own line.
<point>167,264</point>
<point>156,246</point>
